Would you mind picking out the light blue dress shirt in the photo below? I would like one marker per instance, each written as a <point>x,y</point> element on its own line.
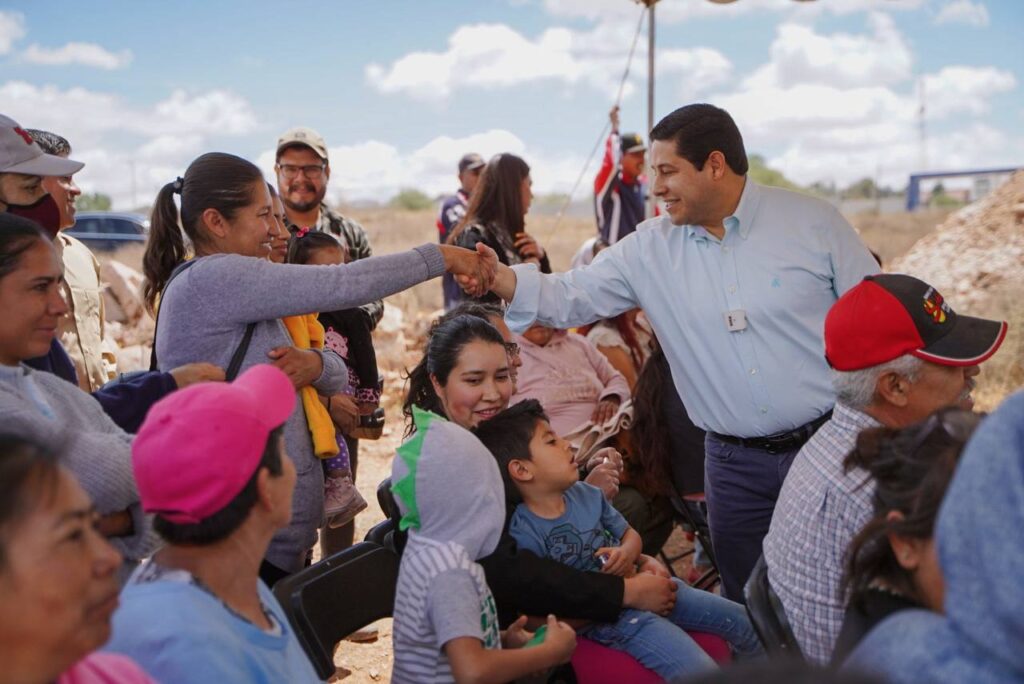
<point>783,261</point>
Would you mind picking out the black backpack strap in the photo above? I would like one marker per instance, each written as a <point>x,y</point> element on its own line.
<point>178,270</point>
<point>239,355</point>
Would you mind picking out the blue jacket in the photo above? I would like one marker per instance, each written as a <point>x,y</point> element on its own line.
<point>126,401</point>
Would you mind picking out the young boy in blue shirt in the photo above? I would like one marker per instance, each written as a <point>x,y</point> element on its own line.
<point>570,521</point>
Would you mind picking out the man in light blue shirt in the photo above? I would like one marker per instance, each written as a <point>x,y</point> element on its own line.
<point>736,280</point>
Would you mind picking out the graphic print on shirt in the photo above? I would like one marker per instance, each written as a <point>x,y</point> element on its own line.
<point>489,622</point>
<point>575,548</point>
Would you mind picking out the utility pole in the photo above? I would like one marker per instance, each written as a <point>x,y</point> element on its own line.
<point>651,200</point>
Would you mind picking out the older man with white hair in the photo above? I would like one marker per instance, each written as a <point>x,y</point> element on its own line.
<point>899,353</point>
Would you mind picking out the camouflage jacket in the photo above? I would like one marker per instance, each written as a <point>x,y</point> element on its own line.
<point>353,236</point>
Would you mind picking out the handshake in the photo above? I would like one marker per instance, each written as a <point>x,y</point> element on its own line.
<point>476,271</point>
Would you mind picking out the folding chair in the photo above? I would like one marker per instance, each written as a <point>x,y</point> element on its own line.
<point>396,539</point>
<point>769,617</point>
<point>326,602</point>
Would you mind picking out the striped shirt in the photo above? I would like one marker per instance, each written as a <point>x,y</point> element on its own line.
<point>441,595</point>
<point>819,511</point>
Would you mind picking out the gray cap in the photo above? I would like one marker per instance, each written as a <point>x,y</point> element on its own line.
<point>20,154</point>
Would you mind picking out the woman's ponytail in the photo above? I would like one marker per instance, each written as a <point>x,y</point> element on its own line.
<point>165,248</point>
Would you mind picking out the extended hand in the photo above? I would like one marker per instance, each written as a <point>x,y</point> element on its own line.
<point>528,247</point>
<point>474,271</point>
<point>302,366</point>
<point>191,373</point>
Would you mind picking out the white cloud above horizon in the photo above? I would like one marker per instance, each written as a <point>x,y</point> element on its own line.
<point>12,29</point>
<point>963,12</point>
<point>492,56</point>
<point>85,54</point>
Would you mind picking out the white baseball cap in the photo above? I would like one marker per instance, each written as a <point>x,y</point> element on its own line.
<point>20,154</point>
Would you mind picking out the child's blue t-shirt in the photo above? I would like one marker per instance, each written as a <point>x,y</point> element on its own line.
<point>589,523</point>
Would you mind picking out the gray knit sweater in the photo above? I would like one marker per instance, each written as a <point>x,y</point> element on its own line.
<point>94,448</point>
<point>203,315</point>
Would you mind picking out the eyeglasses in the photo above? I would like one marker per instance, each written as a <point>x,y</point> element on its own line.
<point>512,349</point>
<point>310,171</point>
<point>955,424</point>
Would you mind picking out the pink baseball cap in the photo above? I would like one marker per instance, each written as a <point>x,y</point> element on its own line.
<point>199,446</point>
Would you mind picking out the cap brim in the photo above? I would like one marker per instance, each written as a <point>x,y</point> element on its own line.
<point>970,342</point>
<point>273,390</point>
<point>635,148</point>
<point>476,165</point>
<point>46,165</point>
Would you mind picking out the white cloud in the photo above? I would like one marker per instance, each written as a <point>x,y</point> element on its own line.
<point>963,12</point>
<point>493,56</point>
<point>86,54</point>
<point>377,170</point>
<point>115,137</point>
<point>800,55</point>
<point>840,107</point>
<point>12,28</point>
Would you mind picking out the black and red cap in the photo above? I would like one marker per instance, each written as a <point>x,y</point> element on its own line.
<point>888,315</point>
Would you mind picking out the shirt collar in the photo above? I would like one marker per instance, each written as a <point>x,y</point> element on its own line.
<point>849,418</point>
<point>740,220</point>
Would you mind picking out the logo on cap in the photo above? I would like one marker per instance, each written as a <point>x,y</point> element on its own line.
<point>935,306</point>
<point>24,134</point>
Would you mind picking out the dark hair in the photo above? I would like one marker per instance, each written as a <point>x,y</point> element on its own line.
<point>17,236</point>
<point>27,470</point>
<point>300,249</point>
<point>50,143</point>
<point>214,180</point>
<point>699,130</point>
<point>444,344</point>
<point>497,200</point>
<point>649,439</point>
<point>228,519</point>
<point>470,307</point>
<point>507,436</point>
<point>911,469</point>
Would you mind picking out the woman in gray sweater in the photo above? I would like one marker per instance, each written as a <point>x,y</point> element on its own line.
<point>44,407</point>
<point>207,306</point>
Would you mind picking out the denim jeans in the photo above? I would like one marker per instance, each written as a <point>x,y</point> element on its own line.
<point>741,487</point>
<point>660,644</point>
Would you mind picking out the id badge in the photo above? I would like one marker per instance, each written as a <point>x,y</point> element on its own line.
<point>735,320</point>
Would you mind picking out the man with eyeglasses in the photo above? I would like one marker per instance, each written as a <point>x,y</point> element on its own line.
<point>302,171</point>
<point>899,353</point>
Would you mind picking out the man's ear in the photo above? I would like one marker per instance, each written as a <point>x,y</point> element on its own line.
<point>716,160</point>
<point>520,470</point>
<point>893,388</point>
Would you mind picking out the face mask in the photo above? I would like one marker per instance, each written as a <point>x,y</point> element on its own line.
<point>45,212</point>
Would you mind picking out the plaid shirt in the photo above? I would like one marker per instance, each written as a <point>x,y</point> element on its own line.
<point>819,511</point>
<point>353,236</point>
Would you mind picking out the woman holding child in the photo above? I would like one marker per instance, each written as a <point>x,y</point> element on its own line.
<point>208,304</point>
<point>465,376</point>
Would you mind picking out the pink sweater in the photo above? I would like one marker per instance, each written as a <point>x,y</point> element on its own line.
<point>569,377</point>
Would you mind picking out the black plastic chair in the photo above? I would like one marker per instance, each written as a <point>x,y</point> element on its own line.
<point>326,602</point>
<point>397,538</point>
<point>769,617</point>
<point>690,514</point>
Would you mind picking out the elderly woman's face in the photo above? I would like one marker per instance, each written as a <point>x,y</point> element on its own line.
<point>32,302</point>
<point>58,582</point>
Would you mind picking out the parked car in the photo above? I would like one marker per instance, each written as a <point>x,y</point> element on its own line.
<point>108,231</point>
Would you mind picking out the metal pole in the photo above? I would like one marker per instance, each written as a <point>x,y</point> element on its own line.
<point>650,91</point>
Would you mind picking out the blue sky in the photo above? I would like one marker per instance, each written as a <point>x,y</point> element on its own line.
<point>826,90</point>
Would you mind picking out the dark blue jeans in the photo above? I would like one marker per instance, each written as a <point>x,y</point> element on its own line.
<point>741,486</point>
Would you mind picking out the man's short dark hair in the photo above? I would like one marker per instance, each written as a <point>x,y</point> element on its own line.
<point>507,436</point>
<point>699,130</point>
<point>228,519</point>
<point>50,143</point>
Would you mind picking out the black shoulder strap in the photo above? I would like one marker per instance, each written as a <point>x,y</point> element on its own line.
<point>236,359</point>
<point>178,270</point>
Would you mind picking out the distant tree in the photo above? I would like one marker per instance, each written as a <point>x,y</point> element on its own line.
<point>93,201</point>
<point>761,173</point>
<point>411,199</point>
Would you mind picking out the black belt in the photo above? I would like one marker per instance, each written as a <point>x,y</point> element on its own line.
<point>778,443</point>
